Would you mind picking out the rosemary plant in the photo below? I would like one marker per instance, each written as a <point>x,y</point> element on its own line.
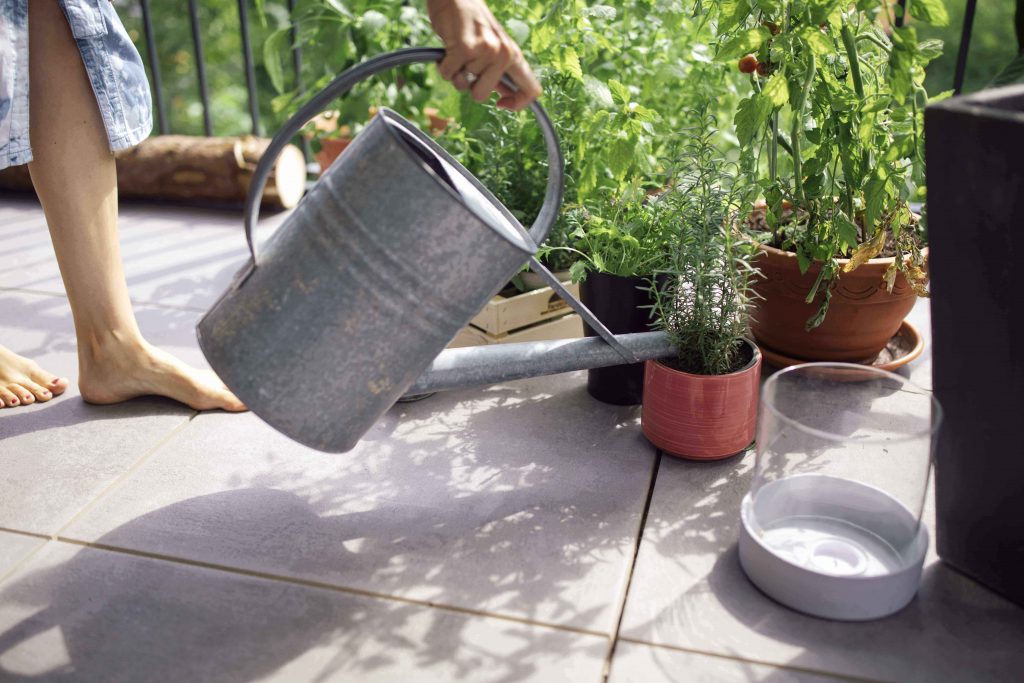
<point>702,298</point>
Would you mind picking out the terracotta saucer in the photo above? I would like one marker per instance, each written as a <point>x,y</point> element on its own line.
<point>905,346</point>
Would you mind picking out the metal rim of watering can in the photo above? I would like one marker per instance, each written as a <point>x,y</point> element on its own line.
<point>346,81</point>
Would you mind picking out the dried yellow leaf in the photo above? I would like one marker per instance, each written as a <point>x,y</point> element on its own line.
<point>865,252</point>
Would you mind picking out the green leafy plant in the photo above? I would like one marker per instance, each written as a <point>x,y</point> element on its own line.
<point>625,236</point>
<point>832,133</point>
<point>702,295</point>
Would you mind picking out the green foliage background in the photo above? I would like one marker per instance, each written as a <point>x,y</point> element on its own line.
<point>993,44</point>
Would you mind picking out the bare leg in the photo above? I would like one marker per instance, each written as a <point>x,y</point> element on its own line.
<point>75,178</point>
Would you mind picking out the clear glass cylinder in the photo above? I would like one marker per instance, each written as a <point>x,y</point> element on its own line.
<point>843,458</point>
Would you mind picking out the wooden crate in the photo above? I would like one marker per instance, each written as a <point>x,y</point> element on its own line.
<point>564,327</point>
<point>503,314</point>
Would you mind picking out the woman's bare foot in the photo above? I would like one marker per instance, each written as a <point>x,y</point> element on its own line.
<point>118,371</point>
<point>23,382</point>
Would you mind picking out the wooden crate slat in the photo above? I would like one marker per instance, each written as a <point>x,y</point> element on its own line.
<point>564,327</point>
<point>503,314</point>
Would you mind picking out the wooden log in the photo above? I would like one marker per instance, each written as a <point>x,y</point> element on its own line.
<point>190,168</point>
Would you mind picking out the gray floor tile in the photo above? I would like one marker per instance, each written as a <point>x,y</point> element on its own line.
<point>181,256</point>
<point>80,614</point>
<point>57,456</point>
<point>638,663</point>
<point>920,370</point>
<point>689,591</point>
<point>14,548</point>
<point>523,499</point>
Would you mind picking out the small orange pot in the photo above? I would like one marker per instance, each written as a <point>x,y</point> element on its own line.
<point>330,149</point>
<point>862,315</point>
<point>701,417</point>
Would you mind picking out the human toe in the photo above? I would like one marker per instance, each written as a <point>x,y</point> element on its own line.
<point>55,385</point>
<point>8,399</point>
<point>41,393</point>
<point>24,395</point>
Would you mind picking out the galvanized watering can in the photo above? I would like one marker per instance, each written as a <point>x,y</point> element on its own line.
<point>351,303</point>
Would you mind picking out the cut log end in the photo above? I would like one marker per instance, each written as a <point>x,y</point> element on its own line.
<point>290,176</point>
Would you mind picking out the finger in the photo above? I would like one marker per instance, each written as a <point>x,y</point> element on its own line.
<point>453,63</point>
<point>489,79</point>
<point>461,82</point>
<point>528,87</point>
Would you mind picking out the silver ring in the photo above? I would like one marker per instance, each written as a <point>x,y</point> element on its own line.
<point>470,77</point>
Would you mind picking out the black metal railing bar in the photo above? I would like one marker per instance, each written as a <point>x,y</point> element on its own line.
<point>197,46</point>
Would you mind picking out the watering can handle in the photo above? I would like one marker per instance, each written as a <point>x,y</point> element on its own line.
<point>342,84</point>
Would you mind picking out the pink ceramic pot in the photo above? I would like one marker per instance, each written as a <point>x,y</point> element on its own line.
<point>701,417</point>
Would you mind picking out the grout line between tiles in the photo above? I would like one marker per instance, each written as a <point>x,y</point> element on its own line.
<point>124,475</point>
<point>310,583</point>
<point>613,641</point>
<point>140,302</point>
<point>35,551</point>
<point>748,660</point>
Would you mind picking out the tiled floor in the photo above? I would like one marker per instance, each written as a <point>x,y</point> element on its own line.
<point>482,535</point>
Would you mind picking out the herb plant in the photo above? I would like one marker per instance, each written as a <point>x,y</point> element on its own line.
<point>832,132</point>
<point>702,296</point>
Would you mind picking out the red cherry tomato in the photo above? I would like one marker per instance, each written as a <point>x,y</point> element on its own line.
<point>748,64</point>
<point>762,68</point>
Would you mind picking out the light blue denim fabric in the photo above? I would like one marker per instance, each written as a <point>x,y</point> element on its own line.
<point>115,70</point>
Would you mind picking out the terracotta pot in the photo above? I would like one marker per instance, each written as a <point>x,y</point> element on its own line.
<point>862,316</point>
<point>701,417</point>
<point>330,149</point>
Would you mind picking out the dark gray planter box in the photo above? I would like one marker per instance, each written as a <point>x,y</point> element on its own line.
<point>975,157</point>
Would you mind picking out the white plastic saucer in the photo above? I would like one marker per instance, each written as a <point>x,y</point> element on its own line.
<point>826,546</point>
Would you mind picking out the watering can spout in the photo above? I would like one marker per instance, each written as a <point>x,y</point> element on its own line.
<point>482,365</point>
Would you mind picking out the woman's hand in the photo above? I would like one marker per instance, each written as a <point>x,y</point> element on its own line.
<point>478,52</point>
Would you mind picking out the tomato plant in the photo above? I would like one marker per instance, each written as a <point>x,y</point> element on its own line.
<point>836,128</point>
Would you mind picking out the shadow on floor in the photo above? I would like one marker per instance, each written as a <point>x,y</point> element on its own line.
<point>130,618</point>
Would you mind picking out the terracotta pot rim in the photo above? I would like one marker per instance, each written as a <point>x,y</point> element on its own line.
<point>749,367</point>
<point>883,260</point>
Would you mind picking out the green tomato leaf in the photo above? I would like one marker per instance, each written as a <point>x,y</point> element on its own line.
<point>339,8</point>
<point>273,47</point>
<point>751,116</point>
<point>732,13</point>
<point>776,90</point>
<point>820,43</point>
<point>874,199</point>
<point>847,230</point>
<point>901,62</point>
<point>929,50</point>
<point>742,43</point>
<point>930,11</point>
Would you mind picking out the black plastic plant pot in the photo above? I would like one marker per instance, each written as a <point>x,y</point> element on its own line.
<point>619,302</point>
<point>975,158</point>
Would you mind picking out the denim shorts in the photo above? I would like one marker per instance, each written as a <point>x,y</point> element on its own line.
<point>115,70</point>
